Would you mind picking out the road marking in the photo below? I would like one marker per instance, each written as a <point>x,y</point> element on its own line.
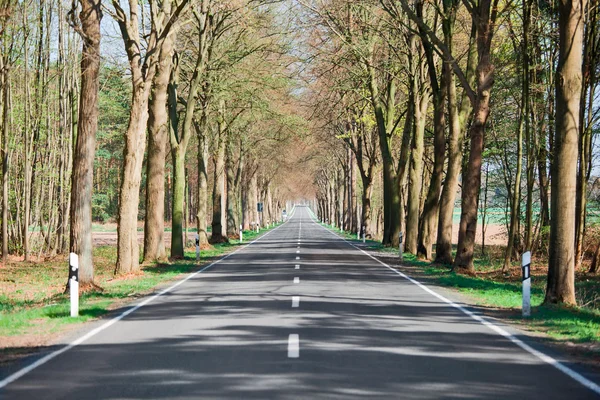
<point>297,251</point>
<point>24,371</point>
<point>298,246</point>
<point>296,280</point>
<point>297,258</point>
<point>295,301</point>
<point>502,332</point>
<point>294,346</point>
<point>297,266</point>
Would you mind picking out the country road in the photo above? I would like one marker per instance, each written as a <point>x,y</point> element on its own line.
<point>298,314</point>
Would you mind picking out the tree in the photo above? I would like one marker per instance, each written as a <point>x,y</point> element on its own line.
<point>158,134</point>
<point>179,139</point>
<point>85,147</point>
<point>561,264</point>
<point>143,63</point>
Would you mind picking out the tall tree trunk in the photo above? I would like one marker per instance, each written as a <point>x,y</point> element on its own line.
<point>346,217</point>
<point>366,207</point>
<point>5,131</point>
<point>26,145</point>
<point>586,122</point>
<point>354,198</point>
<point>128,248</point>
<point>254,197</point>
<point>201,133</point>
<point>391,195</point>
<point>218,234</point>
<point>177,242</point>
<point>561,264</point>
<point>484,17</point>
<point>158,135</point>
<point>457,124</point>
<point>515,201</point>
<point>83,161</point>
<point>416,165</point>
<point>431,207</point>
<point>232,209</point>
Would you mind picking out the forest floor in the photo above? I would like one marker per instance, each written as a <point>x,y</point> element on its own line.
<point>34,310</point>
<point>573,330</point>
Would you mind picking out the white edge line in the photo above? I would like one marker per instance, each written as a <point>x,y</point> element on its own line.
<point>542,356</point>
<point>24,371</point>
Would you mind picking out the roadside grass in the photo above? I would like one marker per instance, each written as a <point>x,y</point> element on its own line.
<point>33,302</point>
<point>490,288</point>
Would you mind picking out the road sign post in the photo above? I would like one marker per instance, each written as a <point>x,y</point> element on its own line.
<point>74,283</point>
<point>401,245</point>
<point>526,266</point>
<point>197,247</point>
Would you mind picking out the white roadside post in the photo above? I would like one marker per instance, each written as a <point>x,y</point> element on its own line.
<point>358,235</point>
<point>400,245</point>
<point>241,235</point>
<point>197,247</point>
<point>364,231</point>
<point>526,265</point>
<point>74,283</point>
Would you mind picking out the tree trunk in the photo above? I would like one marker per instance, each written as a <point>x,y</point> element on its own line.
<point>5,131</point>
<point>128,249</point>
<point>218,234</point>
<point>366,207</point>
<point>83,162</point>
<point>416,170</point>
<point>202,180</point>
<point>457,124</point>
<point>158,134</point>
<point>472,174</point>
<point>431,207</point>
<point>232,209</point>
<point>177,243</point>
<point>561,265</point>
<point>586,122</point>
<point>354,198</point>
<point>515,202</point>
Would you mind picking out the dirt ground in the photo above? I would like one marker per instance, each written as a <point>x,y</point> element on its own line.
<point>495,234</point>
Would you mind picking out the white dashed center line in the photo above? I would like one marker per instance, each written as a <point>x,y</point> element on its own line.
<point>295,301</point>
<point>294,346</point>
<point>297,266</point>
<point>297,258</point>
<point>296,280</point>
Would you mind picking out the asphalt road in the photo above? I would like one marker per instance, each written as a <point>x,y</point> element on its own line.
<point>299,314</point>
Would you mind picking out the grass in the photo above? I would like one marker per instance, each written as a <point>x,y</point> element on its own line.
<point>32,301</point>
<point>490,288</point>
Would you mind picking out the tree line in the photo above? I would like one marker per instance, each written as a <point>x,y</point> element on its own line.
<point>423,103</point>
<point>142,110</point>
